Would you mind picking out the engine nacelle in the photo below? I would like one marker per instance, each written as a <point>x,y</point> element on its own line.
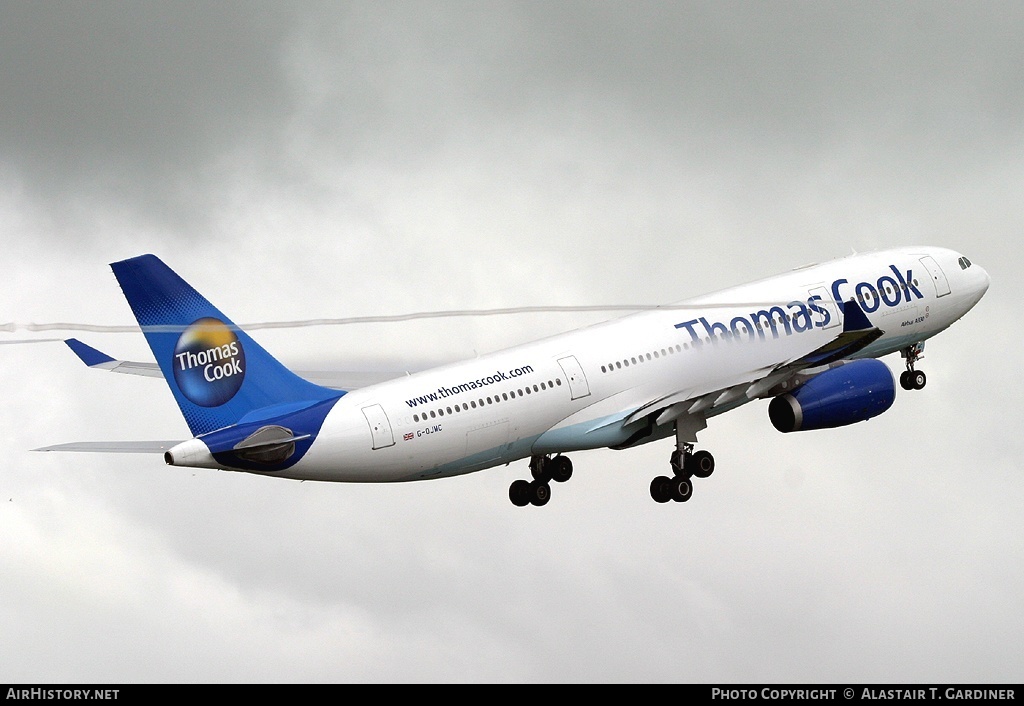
<point>849,393</point>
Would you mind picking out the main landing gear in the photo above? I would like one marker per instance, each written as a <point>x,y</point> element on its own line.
<point>544,470</point>
<point>686,464</point>
<point>912,379</point>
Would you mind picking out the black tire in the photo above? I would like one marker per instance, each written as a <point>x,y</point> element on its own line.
<point>561,468</point>
<point>540,493</point>
<point>660,490</point>
<point>918,379</point>
<point>681,489</point>
<point>905,380</point>
<point>519,493</point>
<point>702,463</point>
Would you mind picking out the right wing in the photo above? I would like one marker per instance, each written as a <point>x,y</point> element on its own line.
<point>729,383</point>
<point>715,397</point>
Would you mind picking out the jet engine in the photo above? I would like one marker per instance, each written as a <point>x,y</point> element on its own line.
<point>849,393</point>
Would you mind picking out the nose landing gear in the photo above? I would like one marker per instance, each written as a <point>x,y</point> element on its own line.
<point>912,379</point>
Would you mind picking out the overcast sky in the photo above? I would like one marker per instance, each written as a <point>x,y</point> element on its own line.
<point>331,159</point>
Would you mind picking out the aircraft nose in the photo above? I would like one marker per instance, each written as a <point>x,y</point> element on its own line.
<point>978,282</point>
<point>983,280</point>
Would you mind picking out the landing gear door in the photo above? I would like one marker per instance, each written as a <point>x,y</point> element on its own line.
<point>825,310</point>
<point>937,275</point>
<point>578,385</point>
<point>380,427</point>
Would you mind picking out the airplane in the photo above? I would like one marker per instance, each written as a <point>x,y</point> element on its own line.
<point>808,341</point>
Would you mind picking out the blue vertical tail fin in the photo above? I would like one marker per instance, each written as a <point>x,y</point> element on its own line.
<point>217,373</point>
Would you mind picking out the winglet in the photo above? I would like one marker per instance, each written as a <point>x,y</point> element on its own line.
<point>89,355</point>
<point>858,333</point>
<point>854,318</point>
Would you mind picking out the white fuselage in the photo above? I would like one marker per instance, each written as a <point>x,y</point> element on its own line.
<point>577,390</point>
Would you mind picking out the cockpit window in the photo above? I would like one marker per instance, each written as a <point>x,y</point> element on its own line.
<point>964,263</point>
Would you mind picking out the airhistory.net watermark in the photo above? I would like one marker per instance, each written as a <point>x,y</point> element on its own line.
<point>62,694</point>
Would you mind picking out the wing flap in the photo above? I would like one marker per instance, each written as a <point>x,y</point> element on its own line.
<point>706,400</point>
<point>699,400</point>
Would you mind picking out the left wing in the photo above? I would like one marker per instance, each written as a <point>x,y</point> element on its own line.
<point>130,447</point>
<point>341,380</point>
<point>101,361</point>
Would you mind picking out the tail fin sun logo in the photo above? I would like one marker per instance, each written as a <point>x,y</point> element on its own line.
<point>209,363</point>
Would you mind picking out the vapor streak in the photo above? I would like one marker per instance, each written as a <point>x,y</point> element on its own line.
<point>393,318</point>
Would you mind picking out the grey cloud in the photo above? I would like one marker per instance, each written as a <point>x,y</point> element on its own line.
<point>131,99</point>
<point>331,160</point>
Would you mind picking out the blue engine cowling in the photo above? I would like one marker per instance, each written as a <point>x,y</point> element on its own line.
<point>850,393</point>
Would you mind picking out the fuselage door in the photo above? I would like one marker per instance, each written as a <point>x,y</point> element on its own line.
<point>380,427</point>
<point>578,385</point>
<point>937,275</point>
<point>827,314</point>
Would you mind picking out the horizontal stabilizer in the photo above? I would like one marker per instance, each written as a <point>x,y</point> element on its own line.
<point>101,361</point>
<point>89,355</point>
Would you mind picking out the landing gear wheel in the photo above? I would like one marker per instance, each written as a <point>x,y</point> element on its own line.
<point>680,489</point>
<point>702,463</point>
<point>519,493</point>
<point>913,379</point>
<point>540,493</point>
<point>561,468</point>
<point>544,469</point>
<point>686,464</point>
<point>661,489</point>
